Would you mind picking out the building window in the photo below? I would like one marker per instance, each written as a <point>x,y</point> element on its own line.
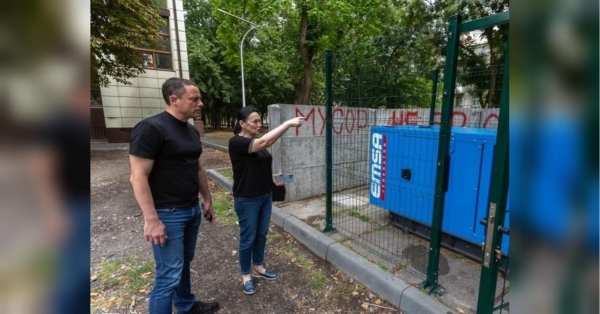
<point>160,58</point>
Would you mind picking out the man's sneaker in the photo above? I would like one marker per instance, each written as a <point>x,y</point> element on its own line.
<point>204,308</point>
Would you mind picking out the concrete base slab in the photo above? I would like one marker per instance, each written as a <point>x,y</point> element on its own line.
<point>305,210</point>
<point>345,201</point>
<point>354,226</point>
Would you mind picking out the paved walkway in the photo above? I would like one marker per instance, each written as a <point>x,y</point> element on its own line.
<point>104,145</point>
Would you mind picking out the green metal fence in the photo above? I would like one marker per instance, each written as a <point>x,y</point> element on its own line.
<point>380,84</point>
<point>402,80</point>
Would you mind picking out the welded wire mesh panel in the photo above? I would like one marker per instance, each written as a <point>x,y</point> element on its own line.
<point>384,150</point>
<point>386,115</point>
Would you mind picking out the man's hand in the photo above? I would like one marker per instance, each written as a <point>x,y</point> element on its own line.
<point>209,212</point>
<point>154,231</point>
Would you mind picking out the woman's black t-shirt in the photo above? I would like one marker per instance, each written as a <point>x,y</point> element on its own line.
<point>252,172</point>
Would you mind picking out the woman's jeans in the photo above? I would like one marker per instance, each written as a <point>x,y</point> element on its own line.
<point>172,286</point>
<point>254,215</point>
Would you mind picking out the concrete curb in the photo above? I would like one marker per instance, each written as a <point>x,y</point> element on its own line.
<point>108,147</point>
<point>215,146</point>
<point>416,301</point>
<point>278,216</point>
<point>406,297</point>
<point>307,235</point>
<point>381,282</point>
<point>221,179</point>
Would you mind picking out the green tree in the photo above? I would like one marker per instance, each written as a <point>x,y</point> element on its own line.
<point>268,55</point>
<point>117,27</point>
<point>206,61</point>
<point>481,53</point>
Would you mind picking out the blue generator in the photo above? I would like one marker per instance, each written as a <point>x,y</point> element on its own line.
<point>402,174</point>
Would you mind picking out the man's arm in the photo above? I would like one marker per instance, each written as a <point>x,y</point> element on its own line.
<point>205,192</point>
<point>154,230</point>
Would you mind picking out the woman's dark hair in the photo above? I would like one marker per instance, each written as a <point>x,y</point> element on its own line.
<point>243,115</point>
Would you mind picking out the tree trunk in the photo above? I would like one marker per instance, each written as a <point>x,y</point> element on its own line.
<point>492,93</point>
<point>217,113</point>
<point>306,88</point>
<point>358,87</point>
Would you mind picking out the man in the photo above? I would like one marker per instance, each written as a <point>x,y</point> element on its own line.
<point>166,177</point>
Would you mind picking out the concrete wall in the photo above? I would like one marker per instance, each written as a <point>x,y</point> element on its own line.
<point>301,151</point>
<point>126,105</point>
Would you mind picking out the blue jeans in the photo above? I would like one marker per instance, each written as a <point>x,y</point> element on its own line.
<point>254,214</point>
<point>172,286</point>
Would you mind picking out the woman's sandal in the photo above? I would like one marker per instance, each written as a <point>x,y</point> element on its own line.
<point>268,275</point>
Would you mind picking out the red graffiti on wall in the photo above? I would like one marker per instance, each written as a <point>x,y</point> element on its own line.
<point>490,117</point>
<point>411,118</point>
<point>454,114</point>
<point>345,120</point>
<point>354,120</point>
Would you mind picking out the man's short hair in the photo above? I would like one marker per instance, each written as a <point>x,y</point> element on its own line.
<point>175,86</point>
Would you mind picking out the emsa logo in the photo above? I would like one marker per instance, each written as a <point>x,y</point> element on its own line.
<point>378,165</point>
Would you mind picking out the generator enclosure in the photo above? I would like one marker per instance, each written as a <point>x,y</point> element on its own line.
<point>402,179</point>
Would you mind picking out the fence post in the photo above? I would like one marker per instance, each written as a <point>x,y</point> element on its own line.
<point>434,83</point>
<point>443,163</point>
<point>328,142</point>
<point>497,204</point>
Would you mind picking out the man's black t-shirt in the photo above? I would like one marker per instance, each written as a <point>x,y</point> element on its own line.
<point>175,147</point>
<point>252,172</point>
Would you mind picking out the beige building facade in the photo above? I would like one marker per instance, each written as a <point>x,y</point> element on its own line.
<point>125,105</point>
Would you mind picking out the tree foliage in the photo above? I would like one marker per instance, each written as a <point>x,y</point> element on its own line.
<point>385,51</point>
<point>117,27</point>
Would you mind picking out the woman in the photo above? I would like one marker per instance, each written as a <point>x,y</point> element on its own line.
<point>252,185</point>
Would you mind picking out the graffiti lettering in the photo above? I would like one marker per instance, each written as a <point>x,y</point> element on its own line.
<point>357,120</point>
<point>345,120</point>
<point>436,120</point>
<point>411,118</point>
<point>489,117</point>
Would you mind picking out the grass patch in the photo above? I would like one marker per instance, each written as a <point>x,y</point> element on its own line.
<point>228,173</point>
<point>108,273</point>
<point>399,267</point>
<point>354,213</point>
<point>343,291</point>
<point>382,266</point>
<point>122,280</point>
<point>317,280</point>
<point>223,205</point>
<point>458,256</point>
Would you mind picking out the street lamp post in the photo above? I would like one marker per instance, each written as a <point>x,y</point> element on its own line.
<point>254,26</point>
<point>242,64</point>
